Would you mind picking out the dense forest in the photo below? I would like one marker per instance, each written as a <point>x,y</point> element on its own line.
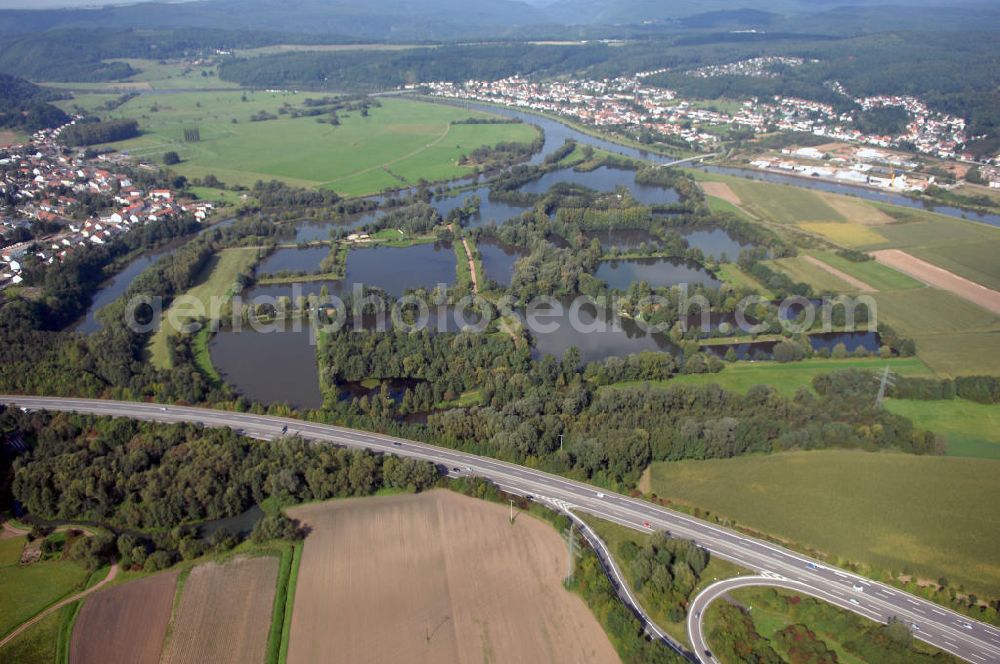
<point>151,483</point>
<point>25,106</point>
<point>108,131</point>
<point>374,70</point>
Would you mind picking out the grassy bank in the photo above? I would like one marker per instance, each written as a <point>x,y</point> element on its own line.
<point>216,284</point>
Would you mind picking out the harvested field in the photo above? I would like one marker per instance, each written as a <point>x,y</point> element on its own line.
<point>940,278</point>
<point>857,210</point>
<point>721,190</point>
<point>224,613</point>
<point>846,234</point>
<point>435,577</point>
<point>843,276</point>
<point>124,624</point>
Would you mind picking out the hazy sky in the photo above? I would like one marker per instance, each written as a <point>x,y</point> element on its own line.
<point>48,4</point>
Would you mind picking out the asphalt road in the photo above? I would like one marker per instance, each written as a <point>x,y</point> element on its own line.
<point>971,640</point>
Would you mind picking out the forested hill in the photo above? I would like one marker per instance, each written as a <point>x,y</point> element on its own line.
<point>448,20</point>
<point>25,106</point>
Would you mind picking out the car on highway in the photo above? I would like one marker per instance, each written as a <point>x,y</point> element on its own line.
<point>854,601</point>
<point>708,654</point>
<point>965,625</point>
<point>645,524</point>
<point>858,588</point>
<point>600,495</point>
<point>915,627</point>
<point>398,444</point>
<point>812,566</point>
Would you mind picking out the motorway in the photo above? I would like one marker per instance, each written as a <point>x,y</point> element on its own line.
<point>970,640</point>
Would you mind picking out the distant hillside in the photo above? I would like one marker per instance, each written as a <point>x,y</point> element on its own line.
<point>25,106</point>
<point>409,20</point>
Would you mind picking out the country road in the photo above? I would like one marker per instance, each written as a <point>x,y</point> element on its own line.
<point>971,640</point>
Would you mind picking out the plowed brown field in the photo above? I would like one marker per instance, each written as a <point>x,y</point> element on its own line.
<point>435,577</point>
<point>124,624</point>
<point>224,613</point>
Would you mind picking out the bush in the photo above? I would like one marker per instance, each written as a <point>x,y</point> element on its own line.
<point>171,158</point>
<point>276,527</point>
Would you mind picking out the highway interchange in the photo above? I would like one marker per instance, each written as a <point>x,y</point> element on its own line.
<point>772,565</point>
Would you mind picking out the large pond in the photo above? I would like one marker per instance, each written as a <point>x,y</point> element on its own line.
<point>657,272</point>
<point>499,260</point>
<point>393,269</point>
<point>294,260</point>
<point>715,243</point>
<point>276,367</point>
<point>592,331</point>
<point>489,211</point>
<point>604,179</point>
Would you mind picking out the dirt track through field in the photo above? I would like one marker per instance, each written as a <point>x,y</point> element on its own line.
<point>938,277</point>
<point>721,190</point>
<point>112,573</point>
<point>224,613</point>
<point>840,274</point>
<point>435,577</point>
<point>125,624</point>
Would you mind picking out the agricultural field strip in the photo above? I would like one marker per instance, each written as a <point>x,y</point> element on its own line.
<point>940,278</point>
<point>377,566</point>
<point>981,644</point>
<point>843,276</point>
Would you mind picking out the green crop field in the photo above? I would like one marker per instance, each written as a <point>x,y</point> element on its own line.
<point>399,144</point>
<point>873,273</point>
<point>782,203</point>
<point>972,429</point>
<point>218,282</point>
<point>934,516</point>
<point>976,261</point>
<point>953,337</point>
<point>786,378</point>
<point>799,269</point>
<point>845,234</point>
<point>961,353</point>
<point>927,310</point>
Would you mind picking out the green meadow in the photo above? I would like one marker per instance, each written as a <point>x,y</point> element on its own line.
<point>398,144</point>
<point>972,429</point>
<point>787,377</point>
<point>931,516</point>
